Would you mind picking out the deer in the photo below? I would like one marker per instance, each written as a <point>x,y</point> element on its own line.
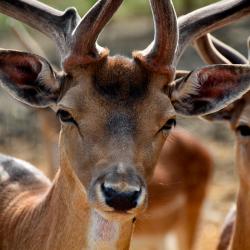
<point>178,184</point>
<point>115,115</point>
<point>236,227</point>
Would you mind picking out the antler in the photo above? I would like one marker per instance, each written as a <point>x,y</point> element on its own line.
<point>76,39</point>
<point>159,55</point>
<point>211,17</point>
<point>77,43</point>
<point>53,23</point>
<point>207,51</point>
<point>213,51</point>
<point>84,48</point>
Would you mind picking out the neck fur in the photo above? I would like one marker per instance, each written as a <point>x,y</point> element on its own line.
<point>242,225</point>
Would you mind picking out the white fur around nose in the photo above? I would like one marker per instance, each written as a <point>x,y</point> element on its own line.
<point>103,234</point>
<point>121,168</point>
<point>122,187</point>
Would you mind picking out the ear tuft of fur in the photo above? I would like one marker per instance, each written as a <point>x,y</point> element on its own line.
<point>185,87</point>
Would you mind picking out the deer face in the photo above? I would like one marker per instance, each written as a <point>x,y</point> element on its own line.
<point>116,112</point>
<point>114,123</point>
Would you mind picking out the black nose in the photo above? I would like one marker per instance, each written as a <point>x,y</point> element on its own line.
<point>120,201</point>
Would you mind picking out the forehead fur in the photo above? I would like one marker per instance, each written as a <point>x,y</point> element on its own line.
<point>120,78</point>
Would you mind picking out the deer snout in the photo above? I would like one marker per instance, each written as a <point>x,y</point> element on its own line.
<point>121,197</point>
<point>120,189</point>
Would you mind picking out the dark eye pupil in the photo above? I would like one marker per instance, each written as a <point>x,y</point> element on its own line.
<point>244,130</point>
<point>65,116</point>
<point>169,124</point>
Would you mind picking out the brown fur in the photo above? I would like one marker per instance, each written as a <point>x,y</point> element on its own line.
<point>120,80</point>
<point>185,176</point>
<point>170,180</point>
<point>43,217</point>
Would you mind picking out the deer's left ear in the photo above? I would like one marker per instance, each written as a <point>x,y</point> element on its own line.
<point>209,89</point>
<point>29,78</point>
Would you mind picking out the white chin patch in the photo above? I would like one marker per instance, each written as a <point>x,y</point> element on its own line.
<point>105,230</point>
<point>103,233</point>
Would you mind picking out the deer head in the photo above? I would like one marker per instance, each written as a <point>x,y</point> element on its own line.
<point>115,112</point>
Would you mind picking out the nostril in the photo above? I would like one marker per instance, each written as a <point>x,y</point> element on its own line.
<point>120,200</point>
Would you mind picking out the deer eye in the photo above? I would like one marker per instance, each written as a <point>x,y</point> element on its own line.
<point>65,117</point>
<point>168,126</point>
<point>243,130</point>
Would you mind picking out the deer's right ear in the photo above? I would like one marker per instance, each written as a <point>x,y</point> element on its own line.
<point>209,89</point>
<point>28,78</point>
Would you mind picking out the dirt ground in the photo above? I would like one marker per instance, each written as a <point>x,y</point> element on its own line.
<point>20,136</point>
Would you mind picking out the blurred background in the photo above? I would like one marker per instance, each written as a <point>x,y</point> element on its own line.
<point>131,28</point>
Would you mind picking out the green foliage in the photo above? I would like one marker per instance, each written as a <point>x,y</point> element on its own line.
<point>130,7</point>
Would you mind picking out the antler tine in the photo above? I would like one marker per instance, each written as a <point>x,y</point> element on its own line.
<point>211,17</point>
<point>213,51</point>
<point>205,47</point>
<point>159,55</point>
<point>53,23</point>
<point>84,47</point>
<point>230,53</point>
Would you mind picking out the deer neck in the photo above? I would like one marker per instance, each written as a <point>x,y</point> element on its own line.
<point>74,224</point>
<point>241,238</point>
